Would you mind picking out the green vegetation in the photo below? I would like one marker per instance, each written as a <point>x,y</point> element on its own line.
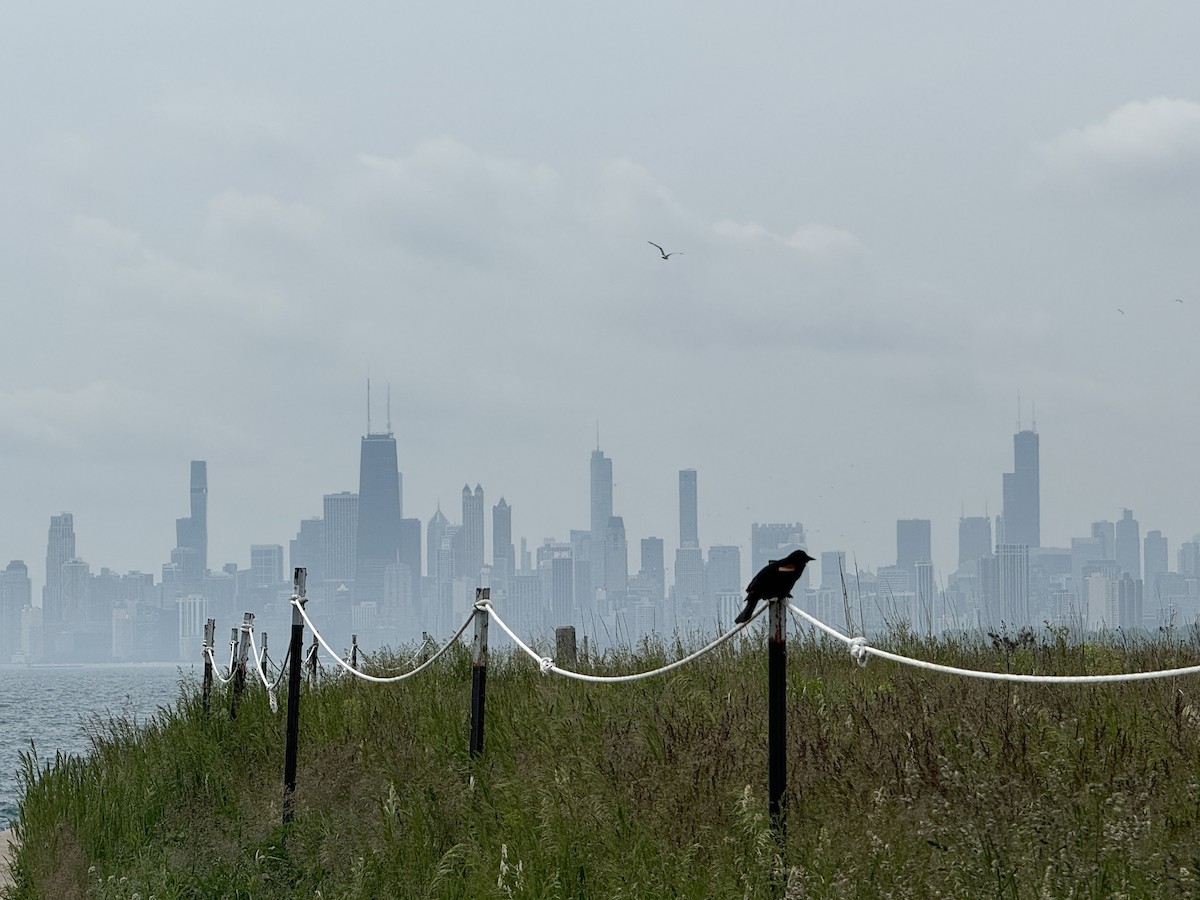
<point>902,783</point>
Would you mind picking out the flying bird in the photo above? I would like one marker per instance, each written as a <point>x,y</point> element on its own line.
<point>774,581</point>
<point>1177,300</point>
<point>665,254</point>
<point>1121,311</point>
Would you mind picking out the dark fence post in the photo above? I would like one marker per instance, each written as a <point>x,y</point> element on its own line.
<point>263,661</point>
<point>479,672</point>
<point>239,667</point>
<point>564,645</point>
<point>295,648</point>
<point>210,634</point>
<point>354,651</point>
<point>777,719</point>
<point>312,662</point>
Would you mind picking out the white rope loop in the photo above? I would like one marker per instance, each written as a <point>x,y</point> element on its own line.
<point>547,665</point>
<point>258,667</point>
<point>375,678</point>
<point>860,645</point>
<point>216,672</point>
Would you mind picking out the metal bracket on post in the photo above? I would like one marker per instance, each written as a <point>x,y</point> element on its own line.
<point>479,670</point>
<point>777,719</point>
<point>292,731</point>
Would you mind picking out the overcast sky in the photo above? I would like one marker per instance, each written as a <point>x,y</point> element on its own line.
<point>893,218</point>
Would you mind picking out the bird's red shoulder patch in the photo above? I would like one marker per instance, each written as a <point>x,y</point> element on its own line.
<point>787,568</point>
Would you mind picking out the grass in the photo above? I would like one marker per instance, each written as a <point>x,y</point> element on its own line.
<point>901,783</point>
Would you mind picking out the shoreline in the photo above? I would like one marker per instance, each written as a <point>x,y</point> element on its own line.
<point>6,851</point>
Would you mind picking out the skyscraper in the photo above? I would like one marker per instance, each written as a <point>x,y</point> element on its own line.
<point>340,536</point>
<point>15,595</point>
<point>689,531</point>
<point>616,561</point>
<point>504,554</point>
<point>60,547</point>
<point>974,539</point>
<point>191,533</point>
<point>377,536</point>
<point>775,540</point>
<point>1154,563</point>
<point>434,532</point>
<point>472,523</point>
<point>1022,518</point>
<point>653,566</point>
<point>1128,545</point>
<point>1012,584</point>
<point>912,543</point>
<point>602,510</point>
<point>723,574</point>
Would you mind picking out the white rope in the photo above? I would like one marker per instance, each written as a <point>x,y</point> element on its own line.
<point>262,676</point>
<point>860,650</point>
<point>547,664</point>
<point>375,678</point>
<point>216,672</point>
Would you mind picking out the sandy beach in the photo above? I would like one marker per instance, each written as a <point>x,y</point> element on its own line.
<point>6,838</point>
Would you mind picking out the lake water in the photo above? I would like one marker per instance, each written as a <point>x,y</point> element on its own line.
<point>49,705</point>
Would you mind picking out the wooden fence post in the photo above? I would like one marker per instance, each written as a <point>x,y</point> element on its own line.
<point>292,733</point>
<point>354,651</point>
<point>263,661</point>
<point>479,672</point>
<point>210,634</point>
<point>239,667</point>
<point>564,645</point>
<point>312,662</point>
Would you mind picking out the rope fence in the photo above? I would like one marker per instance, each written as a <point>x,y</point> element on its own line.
<point>861,650</point>
<point>483,613</point>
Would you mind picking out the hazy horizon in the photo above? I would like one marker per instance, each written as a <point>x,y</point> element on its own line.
<point>218,220</point>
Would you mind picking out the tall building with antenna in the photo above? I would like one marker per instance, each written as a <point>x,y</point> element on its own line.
<point>378,533</point>
<point>602,508</point>
<point>1022,515</point>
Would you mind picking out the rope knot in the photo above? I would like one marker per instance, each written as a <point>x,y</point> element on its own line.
<point>858,651</point>
<point>547,664</point>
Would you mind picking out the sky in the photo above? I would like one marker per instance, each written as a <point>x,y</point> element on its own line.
<point>894,220</point>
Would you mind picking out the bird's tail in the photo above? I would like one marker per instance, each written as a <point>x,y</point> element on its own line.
<point>747,612</point>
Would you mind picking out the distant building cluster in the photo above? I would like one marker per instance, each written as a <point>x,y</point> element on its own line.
<point>389,580</point>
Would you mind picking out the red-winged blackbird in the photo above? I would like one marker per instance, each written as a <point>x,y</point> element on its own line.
<point>774,581</point>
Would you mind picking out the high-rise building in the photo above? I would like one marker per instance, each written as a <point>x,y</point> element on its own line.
<point>1106,533</point>
<point>1128,545</point>
<point>775,540</point>
<point>191,533</point>
<point>1012,584</point>
<point>833,567</point>
<point>266,566</point>
<point>504,554</point>
<point>723,574</point>
<point>616,561</point>
<point>602,510</point>
<point>653,567</point>
<point>473,536</point>
<point>307,551</point>
<point>1022,516</point>
<point>974,538</point>
<point>689,528</point>
<point>340,535</point>
<point>60,547</point>
<point>410,554</point>
<point>912,542</point>
<point>16,594</point>
<point>377,539</point>
<point>1154,564</point>
<point>435,530</point>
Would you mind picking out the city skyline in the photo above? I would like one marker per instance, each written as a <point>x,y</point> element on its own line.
<point>888,233</point>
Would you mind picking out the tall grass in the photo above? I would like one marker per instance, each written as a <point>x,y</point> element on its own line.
<point>902,783</point>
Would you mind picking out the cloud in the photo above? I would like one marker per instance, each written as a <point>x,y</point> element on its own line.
<point>1152,144</point>
<point>817,241</point>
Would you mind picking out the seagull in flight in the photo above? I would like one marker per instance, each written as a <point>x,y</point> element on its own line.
<point>1177,300</point>
<point>665,254</point>
<point>1121,311</point>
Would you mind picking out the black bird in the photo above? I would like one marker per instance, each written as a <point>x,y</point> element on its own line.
<point>774,581</point>
<point>665,254</point>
